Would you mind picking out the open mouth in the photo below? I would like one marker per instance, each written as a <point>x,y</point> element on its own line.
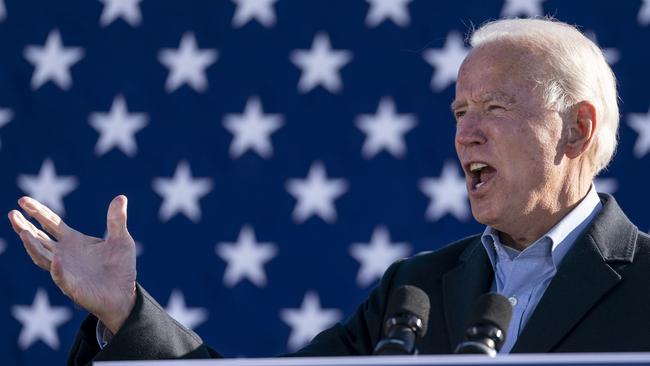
<point>480,175</point>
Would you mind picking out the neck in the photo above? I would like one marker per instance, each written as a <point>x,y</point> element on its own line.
<point>540,220</point>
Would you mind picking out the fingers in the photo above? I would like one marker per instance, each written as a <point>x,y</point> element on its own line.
<point>37,244</point>
<point>39,254</point>
<point>116,217</point>
<point>62,278</point>
<point>19,223</point>
<point>50,221</point>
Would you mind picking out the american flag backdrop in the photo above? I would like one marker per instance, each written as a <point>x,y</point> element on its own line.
<point>278,154</point>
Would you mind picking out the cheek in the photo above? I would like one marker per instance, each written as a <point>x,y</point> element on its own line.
<point>540,133</point>
<point>525,154</point>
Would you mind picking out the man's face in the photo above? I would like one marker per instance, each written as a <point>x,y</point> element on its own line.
<point>507,140</point>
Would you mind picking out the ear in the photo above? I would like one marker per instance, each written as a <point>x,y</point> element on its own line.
<point>580,129</point>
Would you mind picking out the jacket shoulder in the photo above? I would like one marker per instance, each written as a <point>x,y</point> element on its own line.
<point>439,261</point>
<point>642,244</point>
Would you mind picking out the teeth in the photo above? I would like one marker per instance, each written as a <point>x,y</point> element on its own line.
<point>474,167</point>
<point>477,186</point>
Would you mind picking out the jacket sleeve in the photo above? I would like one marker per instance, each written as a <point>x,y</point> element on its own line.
<point>148,333</point>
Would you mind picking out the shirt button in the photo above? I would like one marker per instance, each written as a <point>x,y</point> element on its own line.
<point>513,300</point>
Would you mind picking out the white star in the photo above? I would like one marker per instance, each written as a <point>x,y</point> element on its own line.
<point>320,65</point>
<point>528,8</point>
<point>139,249</point>
<point>246,258</point>
<point>47,187</point>
<point>189,317</point>
<point>252,129</point>
<point>129,10</point>
<point>3,11</point>
<point>117,128</point>
<point>6,115</point>
<point>640,123</point>
<point>316,194</point>
<point>606,185</point>
<point>53,61</point>
<point>385,130</point>
<point>446,61</point>
<point>39,321</point>
<point>612,55</point>
<point>308,321</point>
<point>448,194</point>
<point>644,13</point>
<point>395,10</point>
<point>260,10</point>
<point>187,64</point>
<point>181,193</point>
<point>3,246</point>
<point>375,257</point>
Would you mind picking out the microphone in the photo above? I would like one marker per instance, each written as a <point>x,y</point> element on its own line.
<point>490,321</point>
<point>408,315</point>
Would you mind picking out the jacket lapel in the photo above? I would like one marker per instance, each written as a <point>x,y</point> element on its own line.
<point>462,286</point>
<point>583,278</point>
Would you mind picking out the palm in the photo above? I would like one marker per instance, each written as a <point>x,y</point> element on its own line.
<point>97,274</point>
<point>93,271</point>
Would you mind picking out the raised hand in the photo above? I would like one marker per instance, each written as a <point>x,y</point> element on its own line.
<point>99,275</point>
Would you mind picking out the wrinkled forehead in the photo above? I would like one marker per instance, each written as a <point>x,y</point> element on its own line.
<point>511,52</point>
<point>498,70</point>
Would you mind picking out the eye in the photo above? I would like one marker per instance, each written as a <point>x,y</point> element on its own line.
<point>459,113</point>
<point>495,107</point>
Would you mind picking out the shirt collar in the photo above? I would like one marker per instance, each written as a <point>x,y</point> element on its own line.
<point>575,217</point>
<point>569,227</point>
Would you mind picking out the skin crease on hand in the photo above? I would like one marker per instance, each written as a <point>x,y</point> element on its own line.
<point>99,275</point>
<point>542,167</point>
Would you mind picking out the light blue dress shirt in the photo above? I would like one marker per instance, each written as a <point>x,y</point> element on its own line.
<point>523,276</point>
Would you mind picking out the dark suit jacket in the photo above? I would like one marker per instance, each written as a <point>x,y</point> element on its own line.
<point>599,301</point>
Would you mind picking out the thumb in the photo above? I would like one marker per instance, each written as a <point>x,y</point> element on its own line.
<point>116,217</point>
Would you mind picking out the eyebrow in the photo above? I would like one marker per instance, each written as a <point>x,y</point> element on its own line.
<point>484,98</point>
<point>457,104</point>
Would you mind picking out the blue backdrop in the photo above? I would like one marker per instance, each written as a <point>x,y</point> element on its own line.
<point>277,155</point>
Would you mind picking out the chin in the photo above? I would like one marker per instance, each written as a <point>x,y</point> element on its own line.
<point>486,214</point>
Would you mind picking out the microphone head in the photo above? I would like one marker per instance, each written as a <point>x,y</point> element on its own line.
<point>492,309</point>
<point>410,301</point>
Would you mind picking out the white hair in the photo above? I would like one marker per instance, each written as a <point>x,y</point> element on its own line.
<point>576,70</point>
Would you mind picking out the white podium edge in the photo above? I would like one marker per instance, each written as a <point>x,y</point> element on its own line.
<point>542,358</point>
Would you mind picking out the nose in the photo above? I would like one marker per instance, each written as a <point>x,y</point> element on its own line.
<point>469,132</point>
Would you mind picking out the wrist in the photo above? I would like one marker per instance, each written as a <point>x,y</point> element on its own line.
<point>115,317</point>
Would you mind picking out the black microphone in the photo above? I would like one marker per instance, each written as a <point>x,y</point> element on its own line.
<point>408,315</point>
<point>490,321</point>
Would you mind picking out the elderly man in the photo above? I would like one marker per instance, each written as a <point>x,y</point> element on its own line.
<point>537,119</point>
